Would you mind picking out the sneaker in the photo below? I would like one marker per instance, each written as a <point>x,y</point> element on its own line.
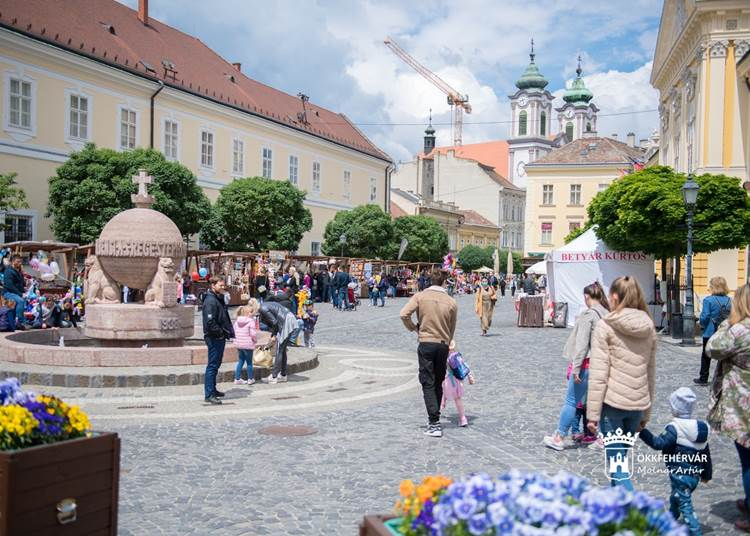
<point>271,380</point>
<point>250,381</point>
<point>597,444</point>
<point>282,379</point>
<point>742,506</point>
<point>213,400</point>
<point>434,430</point>
<point>463,423</point>
<point>588,439</point>
<point>219,394</point>
<point>577,437</point>
<point>240,382</point>
<point>700,381</point>
<point>549,442</point>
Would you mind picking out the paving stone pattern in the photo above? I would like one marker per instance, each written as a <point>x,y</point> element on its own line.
<point>218,475</point>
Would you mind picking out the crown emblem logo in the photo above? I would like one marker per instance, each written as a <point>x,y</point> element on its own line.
<point>618,437</point>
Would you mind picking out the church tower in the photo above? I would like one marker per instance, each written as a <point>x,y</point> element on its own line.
<point>428,163</point>
<point>531,113</point>
<point>577,117</point>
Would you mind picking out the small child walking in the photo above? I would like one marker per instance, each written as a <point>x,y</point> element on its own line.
<point>684,444</point>
<point>453,387</point>
<point>245,340</point>
<point>309,319</point>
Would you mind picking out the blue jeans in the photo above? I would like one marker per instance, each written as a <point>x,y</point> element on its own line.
<point>745,464</point>
<point>627,421</point>
<point>17,314</point>
<point>575,394</point>
<point>215,356</point>
<point>335,297</point>
<point>681,501</point>
<point>381,295</point>
<point>374,296</point>
<point>343,301</point>
<point>244,356</point>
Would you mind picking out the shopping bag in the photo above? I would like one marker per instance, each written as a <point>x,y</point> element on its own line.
<point>262,357</point>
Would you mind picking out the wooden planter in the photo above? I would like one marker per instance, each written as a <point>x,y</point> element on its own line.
<point>66,488</point>
<point>375,526</point>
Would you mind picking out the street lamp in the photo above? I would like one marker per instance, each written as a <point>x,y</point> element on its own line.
<point>690,196</point>
<point>342,241</point>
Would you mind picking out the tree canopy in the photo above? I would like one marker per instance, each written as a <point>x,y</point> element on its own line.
<point>472,257</point>
<point>257,214</point>
<point>368,230</point>
<point>95,184</point>
<point>11,196</point>
<point>575,233</point>
<point>645,212</point>
<point>428,242</point>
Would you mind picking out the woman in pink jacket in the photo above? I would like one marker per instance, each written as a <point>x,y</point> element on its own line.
<point>245,339</point>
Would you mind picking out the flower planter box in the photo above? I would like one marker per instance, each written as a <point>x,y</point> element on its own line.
<point>379,525</point>
<point>65,488</point>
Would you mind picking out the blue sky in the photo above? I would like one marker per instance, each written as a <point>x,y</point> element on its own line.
<point>333,51</point>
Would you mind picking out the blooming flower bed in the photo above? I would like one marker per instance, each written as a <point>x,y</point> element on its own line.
<point>27,419</point>
<point>522,503</point>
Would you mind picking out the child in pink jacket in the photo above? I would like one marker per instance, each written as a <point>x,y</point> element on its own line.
<point>245,339</point>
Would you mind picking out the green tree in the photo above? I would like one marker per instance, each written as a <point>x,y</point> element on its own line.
<point>575,233</point>
<point>257,214</point>
<point>517,266</point>
<point>472,257</point>
<point>645,212</point>
<point>11,196</point>
<point>95,184</point>
<point>428,241</point>
<point>368,230</point>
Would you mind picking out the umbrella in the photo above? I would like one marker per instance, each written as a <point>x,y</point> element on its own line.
<point>483,270</point>
<point>509,268</point>
<point>496,261</point>
<point>539,268</point>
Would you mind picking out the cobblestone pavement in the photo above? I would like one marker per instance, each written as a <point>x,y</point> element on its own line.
<point>191,469</point>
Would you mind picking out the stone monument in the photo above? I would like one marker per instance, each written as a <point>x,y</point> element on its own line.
<point>139,248</point>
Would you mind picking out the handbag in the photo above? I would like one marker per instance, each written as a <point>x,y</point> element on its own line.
<point>262,357</point>
<point>458,366</point>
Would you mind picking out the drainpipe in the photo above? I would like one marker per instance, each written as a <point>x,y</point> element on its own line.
<point>388,170</point>
<point>153,97</point>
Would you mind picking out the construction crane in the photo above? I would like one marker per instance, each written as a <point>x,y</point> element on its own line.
<point>459,103</point>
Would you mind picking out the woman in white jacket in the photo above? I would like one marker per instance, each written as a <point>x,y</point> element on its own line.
<point>576,353</point>
<point>622,371</point>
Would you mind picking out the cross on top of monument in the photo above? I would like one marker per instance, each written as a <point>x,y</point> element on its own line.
<point>142,199</point>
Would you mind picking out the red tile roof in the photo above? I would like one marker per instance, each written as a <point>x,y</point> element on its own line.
<point>111,33</point>
<point>592,151</point>
<point>472,217</point>
<point>490,153</point>
<point>397,211</point>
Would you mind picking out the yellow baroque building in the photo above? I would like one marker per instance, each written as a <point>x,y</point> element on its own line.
<point>96,71</point>
<point>703,104</point>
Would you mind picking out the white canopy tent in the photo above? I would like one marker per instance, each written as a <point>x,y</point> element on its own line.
<point>539,268</point>
<point>587,259</point>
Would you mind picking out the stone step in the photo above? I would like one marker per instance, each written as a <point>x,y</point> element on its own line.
<point>300,360</point>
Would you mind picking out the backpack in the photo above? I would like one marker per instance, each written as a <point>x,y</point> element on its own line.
<point>458,366</point>
<point>724,310</point>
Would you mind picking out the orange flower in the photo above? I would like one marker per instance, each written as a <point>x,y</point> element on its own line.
<point>406,488</point>
<point>424,493</point>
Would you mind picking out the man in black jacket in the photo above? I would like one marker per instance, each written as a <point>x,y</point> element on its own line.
<point>340,287</point>
<point>14,288</point>
<point>324,286</point>
<point>217,329</point>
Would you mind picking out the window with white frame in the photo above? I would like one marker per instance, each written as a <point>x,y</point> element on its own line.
<point>547,194</point>
<point>347,186</point>
<point>18,227</point>
<point>315,249</point>
<point>547,233</point>
<point>207,149</point>
<point>602,186</point>
<point>78,117</point>
<point>575,194</point>
<point>171,139</point>
<point>267,157</point>
<point>238,156</point>
<point>373,189</point>
<point>128,124</point>
<point>294,170</point>
<point>316,177</point>
<point>573,226</point>
<point>20,104</point>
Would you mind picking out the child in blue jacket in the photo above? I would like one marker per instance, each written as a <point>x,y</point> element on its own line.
<point>684,445</point>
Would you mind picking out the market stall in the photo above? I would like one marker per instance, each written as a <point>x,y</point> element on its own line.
<point>588,259</point>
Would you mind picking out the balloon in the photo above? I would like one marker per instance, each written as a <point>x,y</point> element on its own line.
<point>55,267</point>
<point>34,263</point>
<point>48,276</point>
<point>203,272</point>
<point>194,276</point>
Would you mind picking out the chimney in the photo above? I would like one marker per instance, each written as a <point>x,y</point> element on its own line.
<point>237,65</point>
<point>143,11</point>
<point>613,136</point>
<point>631,139</point>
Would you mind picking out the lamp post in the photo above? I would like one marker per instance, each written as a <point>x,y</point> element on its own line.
<point>342,241</point>
<point>690,196</point>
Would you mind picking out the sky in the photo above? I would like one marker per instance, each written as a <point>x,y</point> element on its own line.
<point>333,51</point>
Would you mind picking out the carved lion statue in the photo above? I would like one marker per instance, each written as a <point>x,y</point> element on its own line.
<point>164,277</point>
<point>100,288</point>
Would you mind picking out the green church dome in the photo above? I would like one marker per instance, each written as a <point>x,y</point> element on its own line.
<point>531,77</point>
<point>578,92</point>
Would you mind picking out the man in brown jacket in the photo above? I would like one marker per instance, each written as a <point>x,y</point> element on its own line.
<point>437,314</point>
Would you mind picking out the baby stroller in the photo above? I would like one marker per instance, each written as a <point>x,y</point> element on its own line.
<point>352,297</point>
